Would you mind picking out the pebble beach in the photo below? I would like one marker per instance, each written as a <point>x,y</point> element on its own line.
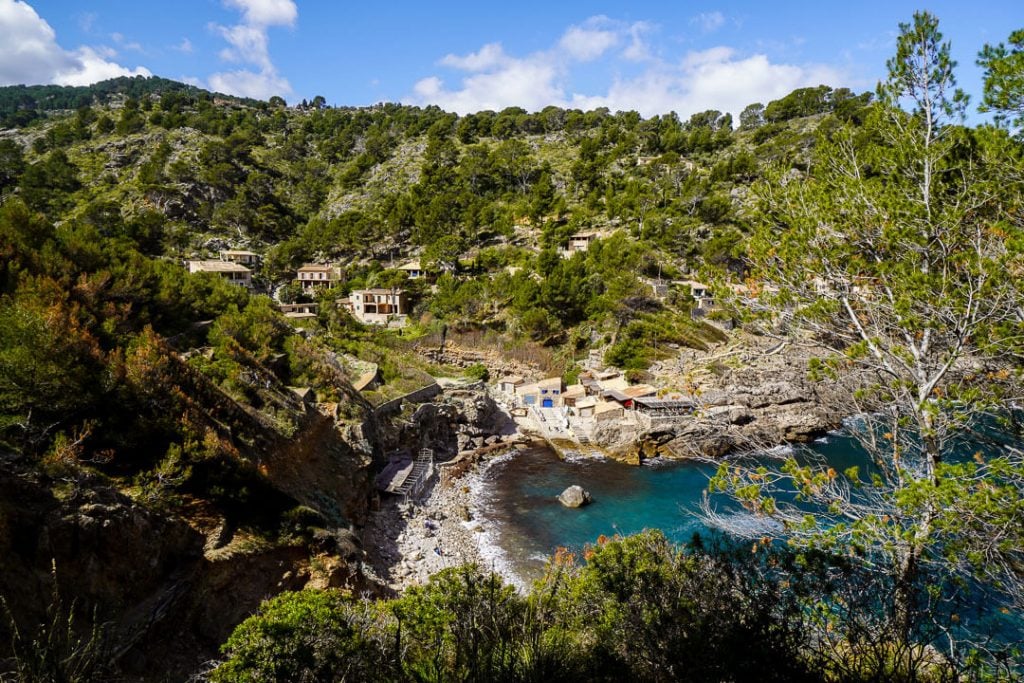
<point>406,543</point>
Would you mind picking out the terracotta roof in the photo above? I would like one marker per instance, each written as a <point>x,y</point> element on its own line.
<point>576,390</point>
<point>606,407</point>
<point>216,267</point>
<point>639,390</point>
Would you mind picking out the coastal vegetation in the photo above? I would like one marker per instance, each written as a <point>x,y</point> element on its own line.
<point>173,409</point>
<point>636,606</point>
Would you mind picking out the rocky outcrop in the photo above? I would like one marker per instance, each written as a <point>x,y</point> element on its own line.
<point>327,466</point>
<point>463,418</point>
<point>575,496</point>
<point>755,394</point>
<point>168,591</point>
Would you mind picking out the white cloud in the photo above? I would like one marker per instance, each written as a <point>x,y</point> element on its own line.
<point>30,54</point>
<point>710,79</point>
<point>266,12</point>
<point>709,21</point>
<point>91,66</point>
<point>497,80</point>
<point>487,57</point>
<point>586,43</point>
<point>120,40</point>
<point>184,46</point>
<point>260,85</point>
<point>717,78</point>
<point>638,49</point>
<point>527,83</point>
<point>249,43</point>
<point>86,21</point>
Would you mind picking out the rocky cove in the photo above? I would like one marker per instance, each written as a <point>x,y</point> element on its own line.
<point>162,573</point>
<point>758,401</point>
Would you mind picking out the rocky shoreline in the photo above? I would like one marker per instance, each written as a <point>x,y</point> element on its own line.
<point>408,542</point>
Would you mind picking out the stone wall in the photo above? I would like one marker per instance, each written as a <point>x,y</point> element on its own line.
<point>420,395</point>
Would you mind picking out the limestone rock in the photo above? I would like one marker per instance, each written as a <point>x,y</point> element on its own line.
<point>575,496</point>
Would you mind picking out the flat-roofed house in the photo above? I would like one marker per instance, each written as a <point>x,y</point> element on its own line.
<point>625,397</point>
<point>616,383</point>
<point>590,385</point>
<point>413,269</point>
<point>664,407</point>
<point>527,394</point>
<point>700,292</point>
<point>579,242</point>
<point>585,406</point>
<point>299,311</point>
<point>316,275</point>
<point>572,394</point>
<point>378,306</point>
<point>234,273</point>
<point>608,410</point>
<point>246,258</point>
<point>550,392</point>
<point>546,393</point>
<point>639,390</point>
<point>509,383</point>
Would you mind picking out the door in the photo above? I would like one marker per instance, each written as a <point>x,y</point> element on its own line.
<point>547,403</point>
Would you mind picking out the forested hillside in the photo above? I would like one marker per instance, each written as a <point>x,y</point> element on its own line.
<point>485,199</point>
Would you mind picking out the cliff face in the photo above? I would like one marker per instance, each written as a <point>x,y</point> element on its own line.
<point>171,576</point>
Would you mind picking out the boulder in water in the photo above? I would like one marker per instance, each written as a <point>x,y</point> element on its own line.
<point>575,496</point>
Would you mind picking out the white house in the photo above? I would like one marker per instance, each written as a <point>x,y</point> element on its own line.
<point>317,275</point>
<point>378,306</point>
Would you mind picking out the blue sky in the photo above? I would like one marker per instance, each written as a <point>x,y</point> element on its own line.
<point>649,56</point>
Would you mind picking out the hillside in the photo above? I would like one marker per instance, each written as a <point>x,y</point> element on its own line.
<point>484,200</point>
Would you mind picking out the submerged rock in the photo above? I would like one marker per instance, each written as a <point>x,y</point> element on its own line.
<point>575,496</point>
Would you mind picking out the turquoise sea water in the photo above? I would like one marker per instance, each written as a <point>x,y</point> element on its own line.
<point>517,498</point>
<point>517,501</point>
